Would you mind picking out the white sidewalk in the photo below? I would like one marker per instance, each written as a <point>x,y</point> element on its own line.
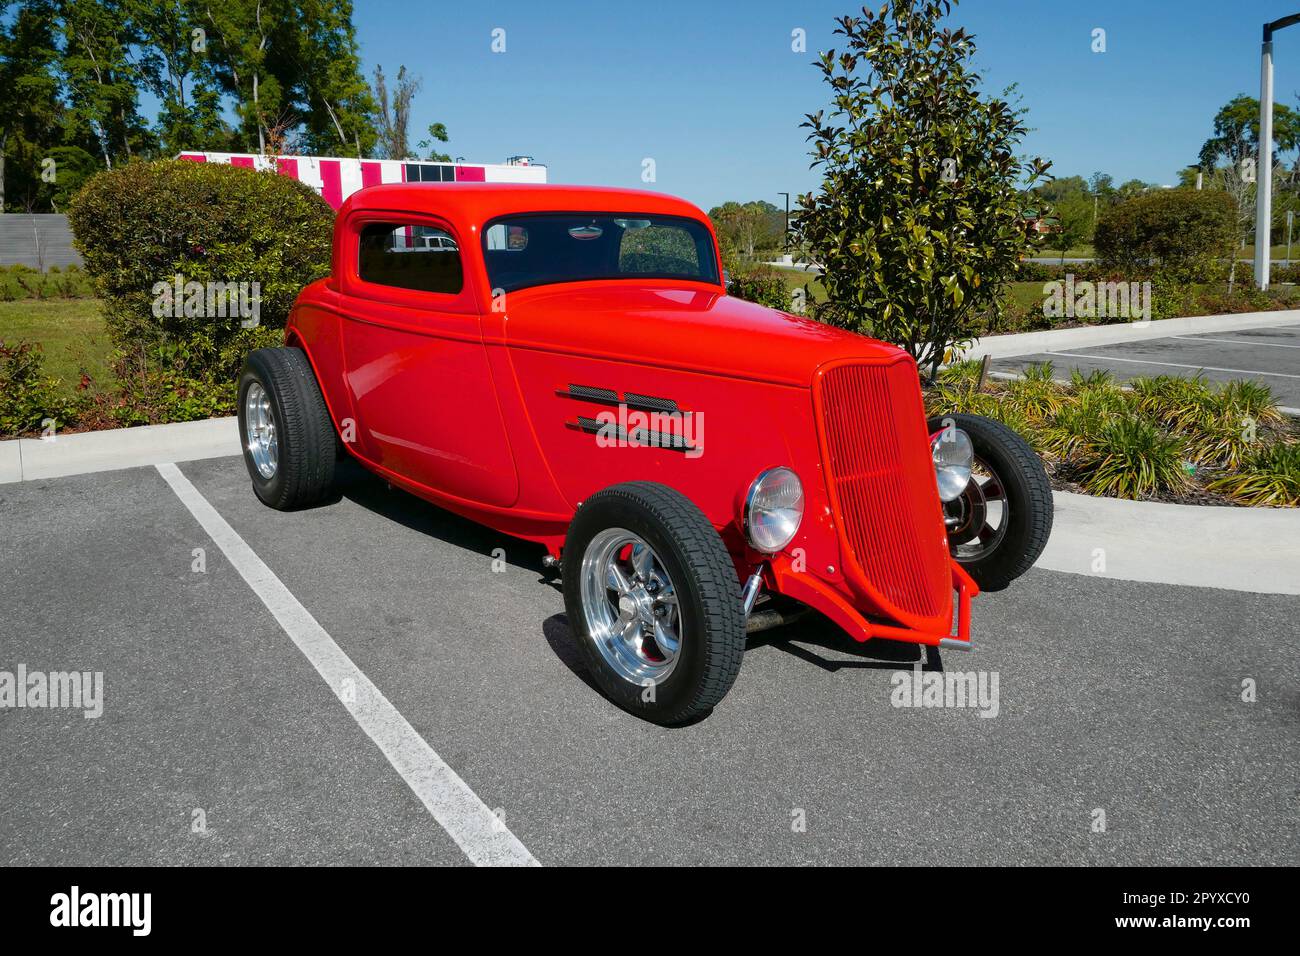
<point>27,459</point>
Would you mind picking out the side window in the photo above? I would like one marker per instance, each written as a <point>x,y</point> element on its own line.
<point>410,256</point>
<point>657,249</point>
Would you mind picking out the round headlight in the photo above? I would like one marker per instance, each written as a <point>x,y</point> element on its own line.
<point>953,454</point>
<point>773,509</point>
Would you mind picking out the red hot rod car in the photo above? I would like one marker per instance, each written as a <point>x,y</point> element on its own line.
<point>564,365</point>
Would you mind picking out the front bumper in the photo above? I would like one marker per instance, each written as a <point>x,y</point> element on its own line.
<point>825,598</point>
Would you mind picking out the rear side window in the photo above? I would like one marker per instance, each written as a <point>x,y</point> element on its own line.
<point>410,256</point>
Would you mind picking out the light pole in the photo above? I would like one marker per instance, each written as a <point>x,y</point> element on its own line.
<point>1290,220</point>
<point>1264,166</point>
<point>785,245</point>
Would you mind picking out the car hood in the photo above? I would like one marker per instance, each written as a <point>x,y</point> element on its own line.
<point>680,326</point>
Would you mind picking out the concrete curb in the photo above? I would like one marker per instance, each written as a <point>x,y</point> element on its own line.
<point>1240,549</point>
<point>1055,340</point>
<point>29,459</point>
<point>1237,549</point>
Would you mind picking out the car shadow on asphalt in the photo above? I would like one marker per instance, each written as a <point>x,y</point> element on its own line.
<point>802,639</point>
<point>361,487</point>
<point>805,637</point>
<point>797,639</point>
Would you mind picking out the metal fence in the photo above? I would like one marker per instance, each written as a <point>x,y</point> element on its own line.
<point>40,241</point>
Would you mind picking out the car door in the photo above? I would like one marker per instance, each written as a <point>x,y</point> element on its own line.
<point>415,363</point>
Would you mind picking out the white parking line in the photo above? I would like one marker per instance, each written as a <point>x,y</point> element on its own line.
<point>476,829</point>
<point>1275,345</point>
<point>1205,368</point>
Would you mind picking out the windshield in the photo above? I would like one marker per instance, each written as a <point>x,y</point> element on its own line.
<point>528,250</point>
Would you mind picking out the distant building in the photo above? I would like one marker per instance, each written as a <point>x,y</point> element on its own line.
<point>337,178</point>
<point>1041,224</point>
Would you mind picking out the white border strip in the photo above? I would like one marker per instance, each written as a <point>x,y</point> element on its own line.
<point>476,829</point>
<point>29,459</point>
<point>1204,546</point>
<point>1271,345</point>
<point>1087,336</point>
<point>1205,368</point>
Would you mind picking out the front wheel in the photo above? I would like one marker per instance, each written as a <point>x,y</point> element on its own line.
<point>1000,523</point>
<point>654,602</point>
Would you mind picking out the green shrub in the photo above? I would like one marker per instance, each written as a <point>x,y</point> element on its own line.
<point>24,282</point>
<point>1270,476</point>
<point>1279,274</point>
<point>1075,428</point>
<point>965,373</point>
<point>1130,457</point>
<point>1182,231</point>
<point>1163,435</point>
<point>175,383</point>
<point>1036,396</point>
<point>1030,271</point>
<point>1175,401</point>
<point>29,399</point>
<point>963,398</point>
<point>763,285</point>
<point>1093,378</point>
<point>1218,442</point>
<point>1243,398</point>
<point>1093,403</point>
<point>141,225</point>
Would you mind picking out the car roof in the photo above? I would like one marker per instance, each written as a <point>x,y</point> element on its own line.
<point>478,202</point>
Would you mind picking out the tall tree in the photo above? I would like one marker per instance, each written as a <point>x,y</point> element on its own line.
<point>393,113</point>
<point>748,226</point>
<point>100,77</point>
<point>28,96</point>
<point>1074,223</point>
<point>919,222</point>
<point>239,44</point>
<point>1236,132</point>
<point>332,95</point>
<point>293,70</point>
<point>175,65</point>
<point>1102,185</point>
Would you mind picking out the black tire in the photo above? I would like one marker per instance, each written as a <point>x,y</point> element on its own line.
<point>304,434</point>
<point>708,593</point>
<point>1028,496</point>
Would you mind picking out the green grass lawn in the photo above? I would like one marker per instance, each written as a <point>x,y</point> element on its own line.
<point>1277,253</point>
<point>794,279</point>
<point>1023,294</point>
<point>1079,252</point>
<point>70,332</point>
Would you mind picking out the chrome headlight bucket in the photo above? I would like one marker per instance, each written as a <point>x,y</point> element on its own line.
<point>953,456</point>
<point>773,509</point>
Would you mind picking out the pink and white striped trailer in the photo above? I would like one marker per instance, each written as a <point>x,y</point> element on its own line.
<point>338,178</point>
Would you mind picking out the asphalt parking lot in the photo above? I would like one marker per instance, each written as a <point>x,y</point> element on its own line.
<point>1113,696</point>
<point>1270,355</point>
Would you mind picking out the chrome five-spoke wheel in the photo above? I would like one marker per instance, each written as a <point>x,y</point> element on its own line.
<point>630,606</point>
<point>259,422</point>
<point>978,518</point>
<point>999,524</point>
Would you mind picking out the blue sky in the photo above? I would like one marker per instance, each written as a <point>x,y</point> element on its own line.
<point>712,92</point>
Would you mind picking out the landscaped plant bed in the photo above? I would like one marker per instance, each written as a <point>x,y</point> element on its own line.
<point>1167,438</point>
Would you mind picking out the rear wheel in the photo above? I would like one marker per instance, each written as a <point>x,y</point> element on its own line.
<point>285,429</point>
<point>653,601</point>
<point>1000,523</point>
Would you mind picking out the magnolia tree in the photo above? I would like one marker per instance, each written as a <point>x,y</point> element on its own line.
<point>920,219</point>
